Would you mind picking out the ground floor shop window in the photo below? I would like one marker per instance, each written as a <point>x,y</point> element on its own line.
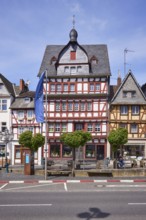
<point>55,150</point>
<point>133,150</point>
<point>66,151</point>
<point>90,151</point>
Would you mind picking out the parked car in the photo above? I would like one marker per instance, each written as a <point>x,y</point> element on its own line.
<point>143,162</point>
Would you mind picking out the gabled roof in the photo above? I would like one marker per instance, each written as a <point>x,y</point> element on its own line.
<point>20,103</point>
<point>129,84</point>
<point>99,51</point>
<point>8,85</point>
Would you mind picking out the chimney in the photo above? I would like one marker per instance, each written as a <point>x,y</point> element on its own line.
<point>22,84</point>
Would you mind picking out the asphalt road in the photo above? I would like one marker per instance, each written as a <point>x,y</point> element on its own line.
<point>65,204</point>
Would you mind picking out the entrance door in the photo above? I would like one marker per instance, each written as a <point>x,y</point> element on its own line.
<point>100,152</point>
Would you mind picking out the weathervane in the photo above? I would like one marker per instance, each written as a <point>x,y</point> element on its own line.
<point>125,52</point>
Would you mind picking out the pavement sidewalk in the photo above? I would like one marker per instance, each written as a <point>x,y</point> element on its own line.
<point>13,177</point>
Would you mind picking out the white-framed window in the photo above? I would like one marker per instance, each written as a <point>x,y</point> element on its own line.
<point>89,127</point>
<point>97,87</point>
<point>65,87</point>
<point>57,127</point>
<point>58,87</point>
<point>1,86</point>
<point>124,109</point>
<point>134,128</point>
<point>72,87</point>
<point>29,129</point>
<point>20,115</point>
<point>91,87</point>
<point>133,94</point>
<point>26,99</point>
<point>57,106</point>
<point>3,126</point>
<point>52,87</point>
<point>72,69</point>
<point>66,69</point>
<point>135,109</point>
<point>63,106</point>
<point>30,114</point>
<point>89,106</point>
<point>79,126</point>
<point>82,106</point>
<point>70,106</point>
<point>122,125</point>
<point>20,130</point>
<point>64,127</point>
<point>3,104</point>
<point>124,94</point>
<point>51,127</point>
<point>76,106</point>
<point>97,127</point>
<point>79,68</point>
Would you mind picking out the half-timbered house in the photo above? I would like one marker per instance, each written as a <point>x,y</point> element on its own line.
<point>23,118</point>
<point>77,88</point>
<point>128,110</point>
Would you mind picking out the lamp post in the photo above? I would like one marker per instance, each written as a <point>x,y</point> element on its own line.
<point>6,137</point>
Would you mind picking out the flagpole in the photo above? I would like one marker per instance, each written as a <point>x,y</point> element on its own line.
<point>46,128</point>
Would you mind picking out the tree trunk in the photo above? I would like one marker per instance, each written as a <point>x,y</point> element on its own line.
<point>73,165</point>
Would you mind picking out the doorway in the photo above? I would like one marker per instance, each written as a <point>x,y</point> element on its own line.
<point>100,152</point>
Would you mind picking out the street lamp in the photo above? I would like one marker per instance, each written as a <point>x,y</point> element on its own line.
<point>6,137</point>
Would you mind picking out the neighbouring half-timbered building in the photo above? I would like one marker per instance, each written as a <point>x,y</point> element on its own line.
<point>77,88</point>
<point>128,110</point>
<point>22,119</point>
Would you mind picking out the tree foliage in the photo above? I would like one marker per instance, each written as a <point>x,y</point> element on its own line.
<point>33,142</point>
<point>118,138</point>
<point>76,139</point>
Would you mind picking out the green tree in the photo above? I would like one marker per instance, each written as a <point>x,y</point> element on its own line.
<point>33,142</point>
<point>117,138</point>
<point>75,140</point>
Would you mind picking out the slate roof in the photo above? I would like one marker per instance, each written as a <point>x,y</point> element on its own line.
<point>129,84</point>
<point>19,102</point>
<point>8,85</point>
<point>99,51</point>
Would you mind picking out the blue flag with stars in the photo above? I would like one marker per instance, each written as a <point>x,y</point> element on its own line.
<point>39,105</point>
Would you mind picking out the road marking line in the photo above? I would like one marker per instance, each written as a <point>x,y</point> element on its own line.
<point>136,203</point>
<point>126,181</point>
<point>73,181</point>
<point>13,181</point>
<point>45,181</point>
<point>3,186</point>
<point>15,205</point>
<point>126,186</point>
<point>27,187</point>
<point>100,181</point>
<point>65,187</point>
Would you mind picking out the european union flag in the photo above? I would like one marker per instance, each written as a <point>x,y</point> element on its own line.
<point>39,106</point>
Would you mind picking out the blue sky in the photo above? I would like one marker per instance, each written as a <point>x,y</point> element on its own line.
<point>27,26</point>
